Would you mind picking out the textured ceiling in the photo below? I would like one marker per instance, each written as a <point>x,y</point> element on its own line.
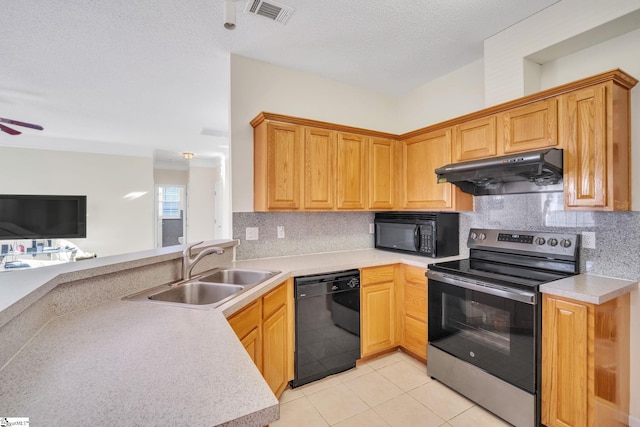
<point>141,74</point>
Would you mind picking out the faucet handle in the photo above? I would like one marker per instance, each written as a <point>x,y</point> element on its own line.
<point>187,251</point>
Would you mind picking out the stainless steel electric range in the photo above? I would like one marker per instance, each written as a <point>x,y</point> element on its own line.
<point>485,318</point>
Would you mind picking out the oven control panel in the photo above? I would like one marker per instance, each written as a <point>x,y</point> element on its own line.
<point>535,242</point>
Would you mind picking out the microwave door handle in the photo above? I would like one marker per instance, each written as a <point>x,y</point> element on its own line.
<point>416,238</point>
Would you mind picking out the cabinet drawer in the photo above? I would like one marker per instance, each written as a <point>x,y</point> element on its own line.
<point>377,275</point>
<point>247,319</point>
<point>274,300</point>
<point>415,274</point>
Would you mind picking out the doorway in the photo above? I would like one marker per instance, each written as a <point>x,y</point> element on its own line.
<point>171,214</point>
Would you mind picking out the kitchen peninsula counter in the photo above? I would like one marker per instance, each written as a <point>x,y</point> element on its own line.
<point>131,363</point>
<point>138,363</point>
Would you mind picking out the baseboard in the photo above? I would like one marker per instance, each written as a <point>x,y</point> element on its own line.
<point>634,421</point>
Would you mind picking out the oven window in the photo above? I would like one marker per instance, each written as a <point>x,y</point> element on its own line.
<point>476,321</point>
<point>491,332</point>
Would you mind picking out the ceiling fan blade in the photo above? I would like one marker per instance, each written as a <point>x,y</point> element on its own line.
<point>23,124</point>
<point>8,130</point>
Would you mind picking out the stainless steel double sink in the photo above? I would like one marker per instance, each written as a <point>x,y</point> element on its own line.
<point>206,291</point>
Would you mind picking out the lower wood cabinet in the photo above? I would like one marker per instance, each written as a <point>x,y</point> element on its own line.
<point>377,310</point>
<point>413,288</point>
<point>393,310</point>
<point>585,362</point>
<point>247,324</point>
<point>265,328</point>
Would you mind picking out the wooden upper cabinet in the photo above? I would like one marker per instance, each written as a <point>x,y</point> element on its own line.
<point>530,127</point>
<point>277,166</point>
<point>420,157</point>
<point>475,139</point>
<point>597,155</point>
<point>383,180</point>
<point>302,164</point>
<point>352,171</point>
<point>319,167</point>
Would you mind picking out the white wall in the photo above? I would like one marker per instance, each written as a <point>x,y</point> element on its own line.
<point>115,225</point>
<point>504,52</point>
<point>170,177</point>
<point>201,203</point>
<point>257,86</point>
<point>453,95</point>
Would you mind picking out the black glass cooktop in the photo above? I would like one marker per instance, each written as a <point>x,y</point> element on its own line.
<point>496,272</point>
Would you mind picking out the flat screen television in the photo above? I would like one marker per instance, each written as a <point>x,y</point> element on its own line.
<point>42,217</point>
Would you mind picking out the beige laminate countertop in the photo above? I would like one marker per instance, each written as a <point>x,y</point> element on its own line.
<point>589,288</point>
<point>125,363</point>
<point>137,363</point>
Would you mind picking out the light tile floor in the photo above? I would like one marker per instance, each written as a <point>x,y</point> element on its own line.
<point>392,390</point>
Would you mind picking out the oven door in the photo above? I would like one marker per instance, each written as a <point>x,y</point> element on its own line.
<point>491,328</point>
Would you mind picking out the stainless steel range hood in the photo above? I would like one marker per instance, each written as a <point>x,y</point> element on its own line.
<point>532,172</point>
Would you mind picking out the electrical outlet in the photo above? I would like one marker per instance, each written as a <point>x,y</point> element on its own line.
<point>588,240</point>
<point>281,232</point>
<point>371,228</point>
<point>251,233</point>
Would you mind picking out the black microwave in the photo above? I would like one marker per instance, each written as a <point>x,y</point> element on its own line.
<point>431,234</point>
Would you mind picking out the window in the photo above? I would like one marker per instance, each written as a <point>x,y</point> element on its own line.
<point>169,202</point>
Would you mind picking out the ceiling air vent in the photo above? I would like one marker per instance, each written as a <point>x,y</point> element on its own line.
<point>270,9</point>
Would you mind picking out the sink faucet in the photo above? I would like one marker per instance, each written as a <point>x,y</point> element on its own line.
<point>188,263</point>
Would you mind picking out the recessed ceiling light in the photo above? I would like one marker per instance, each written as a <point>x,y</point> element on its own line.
<point>187,155</point>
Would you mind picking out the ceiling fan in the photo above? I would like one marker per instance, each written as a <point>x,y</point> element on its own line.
<point>12,131</point>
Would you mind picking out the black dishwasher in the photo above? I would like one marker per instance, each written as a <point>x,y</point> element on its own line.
<point>327,324</point>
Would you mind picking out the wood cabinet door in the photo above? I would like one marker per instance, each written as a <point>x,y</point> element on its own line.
<point>284,166</point>
<point>377,319</point>
<point>415,337</point>
<point>421,156</point>
<point>383,180</point>
<point>414,308</point>
<point>586,157</point>
<point>319,165</point>
<point>565,363</point>
<point>252,343</point>
<point>274,355</point>
<point>475,139</point>
<point>352,171</point>
<point>247,324</point>
<point>531,127</point>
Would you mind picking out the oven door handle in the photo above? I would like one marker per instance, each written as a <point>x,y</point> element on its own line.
<point>474,285</point>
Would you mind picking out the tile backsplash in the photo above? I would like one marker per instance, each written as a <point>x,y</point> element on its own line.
<point>617,252</point>
<point>305,233</point>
